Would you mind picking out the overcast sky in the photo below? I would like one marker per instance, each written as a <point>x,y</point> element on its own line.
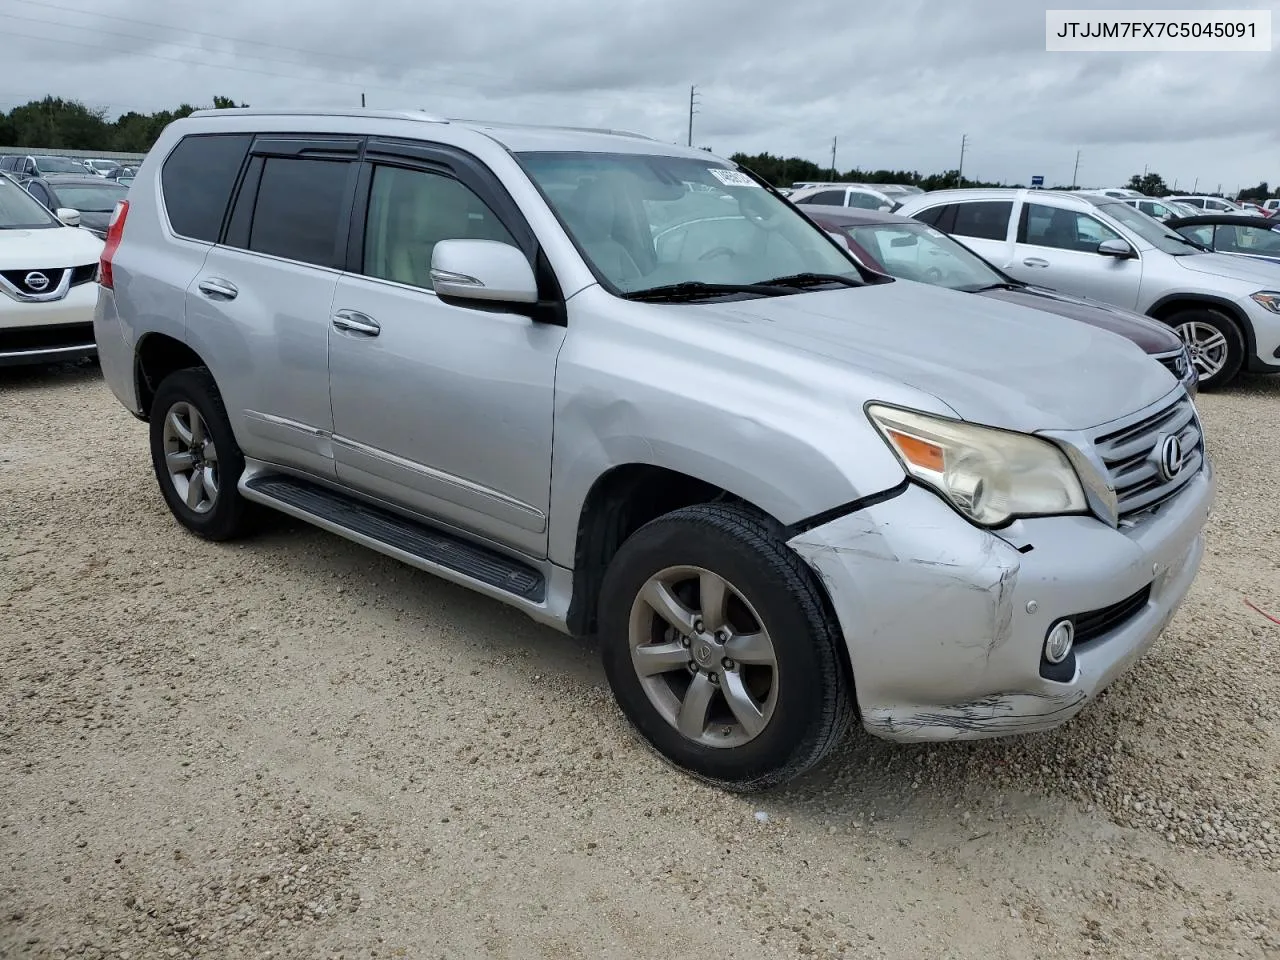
<point>897,81</point>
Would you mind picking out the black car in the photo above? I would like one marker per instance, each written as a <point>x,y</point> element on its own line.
<point>94,197</point>
<point>1246,236</point>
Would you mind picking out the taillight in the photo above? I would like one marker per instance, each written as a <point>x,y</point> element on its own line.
<point>115,230</point>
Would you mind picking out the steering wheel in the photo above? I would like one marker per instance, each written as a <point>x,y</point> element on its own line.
<point>718,252</point>
<point>933,274</point>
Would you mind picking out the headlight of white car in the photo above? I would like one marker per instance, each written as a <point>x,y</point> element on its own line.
<point>1267,298</point>
<point>989,475</point>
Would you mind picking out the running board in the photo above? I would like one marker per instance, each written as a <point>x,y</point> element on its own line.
<point>396,536</point>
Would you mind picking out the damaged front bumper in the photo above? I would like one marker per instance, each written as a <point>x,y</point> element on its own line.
<point>946,622</point>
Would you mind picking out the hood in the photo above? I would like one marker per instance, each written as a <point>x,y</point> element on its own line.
<point>991,362</point>
<point>48,249</point>
<point>1150,335</point>
<point>1263,274</point>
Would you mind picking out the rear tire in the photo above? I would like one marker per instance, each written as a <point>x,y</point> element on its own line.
<point>1216,343</point>
<point>750,690</point>
<point>196,458</point>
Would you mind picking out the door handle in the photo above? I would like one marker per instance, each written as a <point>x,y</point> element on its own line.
<point>1035,262</point>
<point>215,288</point>
<point>356,322</point>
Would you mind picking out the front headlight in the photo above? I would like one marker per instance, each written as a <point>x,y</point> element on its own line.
<point>1267,298</point>
<point>989,475</point>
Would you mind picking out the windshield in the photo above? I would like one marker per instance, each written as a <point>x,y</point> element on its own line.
<point>21,211</point>
<point>644,222</point>
<point>90,197</point>
<point>913,251</point>
<point>1152,231</point>
<point>57,165</point>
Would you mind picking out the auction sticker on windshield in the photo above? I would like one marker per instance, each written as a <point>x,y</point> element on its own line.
<point>732,178</point>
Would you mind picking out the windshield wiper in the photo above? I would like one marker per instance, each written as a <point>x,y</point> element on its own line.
<point>697,290</point>
<point>1189,242</point>
<point>1003,285</point>
<point>801,280</point>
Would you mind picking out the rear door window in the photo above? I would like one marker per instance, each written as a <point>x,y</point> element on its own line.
<point>197,179</point>
<point>301,210</point>
<point>983,220</point>
<point>827,198</point>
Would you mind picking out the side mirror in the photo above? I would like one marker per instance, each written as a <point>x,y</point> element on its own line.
<point>482,270</point>
<point>1115,248</point>
<point>68,216</point>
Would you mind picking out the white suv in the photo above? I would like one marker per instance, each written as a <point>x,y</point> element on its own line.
<point>47,269</point>
<point>1226,309</point>
<point>1209,204</point>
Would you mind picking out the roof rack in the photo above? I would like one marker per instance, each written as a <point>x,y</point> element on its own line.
<point>420,115</point>
<point>550,126</point>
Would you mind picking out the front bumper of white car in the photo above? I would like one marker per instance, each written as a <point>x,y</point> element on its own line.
<point>45,331</point>
<point>946,623</point>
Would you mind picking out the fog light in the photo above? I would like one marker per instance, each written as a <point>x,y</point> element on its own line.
<point>1058,644</point>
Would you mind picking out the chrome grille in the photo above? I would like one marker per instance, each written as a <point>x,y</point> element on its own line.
<point>34,282</point>
<point>1132,455</point>
<point>1177,362</point>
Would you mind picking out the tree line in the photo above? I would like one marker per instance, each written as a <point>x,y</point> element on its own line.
<point>57,124</point>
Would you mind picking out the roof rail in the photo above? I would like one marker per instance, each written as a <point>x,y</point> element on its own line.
<point>550,126</point>
<point>419,115</point>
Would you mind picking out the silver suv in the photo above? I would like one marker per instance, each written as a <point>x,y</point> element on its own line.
<point>629,390</point>
<point>1226,310</point>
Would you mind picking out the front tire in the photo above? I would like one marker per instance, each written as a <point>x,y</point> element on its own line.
<point>1215,342</point>
<point>720,650</point>
<point>196,458</point>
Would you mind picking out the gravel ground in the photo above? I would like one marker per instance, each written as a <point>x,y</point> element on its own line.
<point>294,748</point>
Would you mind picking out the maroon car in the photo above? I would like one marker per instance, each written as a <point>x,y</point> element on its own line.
<point>911,250</point>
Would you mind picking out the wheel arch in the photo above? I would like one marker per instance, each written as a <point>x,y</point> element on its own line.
<point>1174,303</point>
<point>156,356</point>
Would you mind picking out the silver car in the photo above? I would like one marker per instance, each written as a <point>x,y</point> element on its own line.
<point>629,390</point>
<point>1227,310</point>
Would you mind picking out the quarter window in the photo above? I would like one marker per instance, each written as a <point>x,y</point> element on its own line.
<point>985,220</point>
<point>865,201</point>
<point>302,206</point>
<point>196,182</point>
<point>826,198</point>
<point>410,211</point>
<point>1060,229</point>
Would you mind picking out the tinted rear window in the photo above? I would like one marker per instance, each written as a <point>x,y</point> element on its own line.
<point>988,220</point>
<point>197,180</point>
<point>302,205</point>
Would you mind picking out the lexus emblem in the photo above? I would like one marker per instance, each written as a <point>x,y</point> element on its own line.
<point>1170,451</point>
<point>36,281</point>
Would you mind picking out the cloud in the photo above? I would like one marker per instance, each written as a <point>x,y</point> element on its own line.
<point>896,81</point>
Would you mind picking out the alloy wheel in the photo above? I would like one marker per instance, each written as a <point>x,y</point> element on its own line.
<point>191,457</point>
<point>703,657</point>
<point>1207,346</point>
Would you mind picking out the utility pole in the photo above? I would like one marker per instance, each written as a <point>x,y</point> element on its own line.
<point>964,142</point>
<point>1075,174</point>
<point>362,100</point>
<point>693,93</point>
<point>1194,185</point>
<point>833,159</point>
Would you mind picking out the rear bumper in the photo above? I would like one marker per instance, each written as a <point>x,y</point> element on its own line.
<point>115,352</point>
<point>49,331</point>
<point>945,623</point>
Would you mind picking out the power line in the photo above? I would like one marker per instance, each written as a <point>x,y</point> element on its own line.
<point>433,78</point>
<point>327,54</point>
